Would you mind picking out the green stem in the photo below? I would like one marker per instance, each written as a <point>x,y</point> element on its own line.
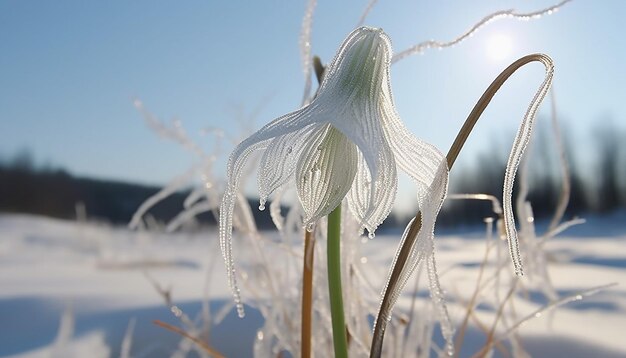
<point>334,283</point>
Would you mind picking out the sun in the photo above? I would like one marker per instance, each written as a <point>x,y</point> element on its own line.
<point>499,47</point>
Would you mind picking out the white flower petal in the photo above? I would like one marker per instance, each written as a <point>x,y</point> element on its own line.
<point>280,158</point>
<point>372,209</point>
<point>325,172</point>
<point>288,123</point>
<point>418,159</point>
<point>358,71</point>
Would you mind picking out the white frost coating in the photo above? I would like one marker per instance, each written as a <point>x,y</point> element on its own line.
<point>174,132</point>
<point>173,186</point>
<point>128,339</point>
<point>423,250</point>
<point>368,8</point>
<point>517,151</point>
<point>305,48</point>
<point>351,132</point>
<point>504,14</point>
<point>275,214</point>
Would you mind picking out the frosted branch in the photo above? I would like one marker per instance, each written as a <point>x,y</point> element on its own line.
<point>175,132</point>
<point>366,12</point>
<point>503,14</point>
<point>305,48</point>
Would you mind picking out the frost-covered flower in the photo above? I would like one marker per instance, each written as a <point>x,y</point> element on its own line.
<point>348,141</point>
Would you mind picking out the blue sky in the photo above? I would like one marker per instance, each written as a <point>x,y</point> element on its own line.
<point>69,71</point>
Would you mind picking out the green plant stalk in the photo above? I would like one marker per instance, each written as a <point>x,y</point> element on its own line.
<point>333,251</point>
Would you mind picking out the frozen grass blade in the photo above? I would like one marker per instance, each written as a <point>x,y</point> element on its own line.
<point>305,48</point>
<point>368,8</point>
<point>64,335</point>
<point>128,339</point>
<point>172,187</point>
<point>565,175</point>
<point>519,145</point>
<point>504,14</point>
<point>473,301</point>
<point>552,305</point>
<point>395,282</point>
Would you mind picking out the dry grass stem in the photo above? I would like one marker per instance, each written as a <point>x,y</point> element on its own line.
<point>197,341</point>
<point>453,153</point>
<point>307,293</point>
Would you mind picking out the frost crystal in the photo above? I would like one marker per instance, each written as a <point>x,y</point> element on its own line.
<point>348,141</point>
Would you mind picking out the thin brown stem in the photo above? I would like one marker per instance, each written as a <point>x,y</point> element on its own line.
<point>307,263</point>
<point>307,293</point>
<point>490,337</point>
<point>414,229</point>
<point>195,340</point>
<point>472,303</point>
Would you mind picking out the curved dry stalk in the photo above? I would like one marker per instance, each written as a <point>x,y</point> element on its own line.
<point>394,283</point>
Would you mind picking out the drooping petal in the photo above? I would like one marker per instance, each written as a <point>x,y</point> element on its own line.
<point>422,249</point>
<point>288,123</point>
<point>417,158</point>
<point>280,158</point>
<point>325,172</point>
<point>370,200</point>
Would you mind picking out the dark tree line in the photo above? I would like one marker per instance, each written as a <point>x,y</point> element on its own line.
<point>597,175</point>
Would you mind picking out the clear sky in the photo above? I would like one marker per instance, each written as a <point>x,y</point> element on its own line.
<point>69,71</point>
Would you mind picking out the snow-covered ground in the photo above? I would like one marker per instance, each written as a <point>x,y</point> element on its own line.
<point>71,289</point>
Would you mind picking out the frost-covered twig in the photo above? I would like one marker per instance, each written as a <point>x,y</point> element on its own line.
<point>565,174</point>
<point>173,186</point>
<point>366,12</point>
<point>176,132</point>
<point>305,48</point>
<point>554,304</point>
<point>127,342</point>
<point>421,47</point>
<point>495,203</point>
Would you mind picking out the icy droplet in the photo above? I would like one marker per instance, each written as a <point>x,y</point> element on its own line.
<point>371,235</point>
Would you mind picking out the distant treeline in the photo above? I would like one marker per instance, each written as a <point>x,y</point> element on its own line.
<point>599,187</point>
<point>56,193</point>
<point>597,174</point>
<point>25,188</point>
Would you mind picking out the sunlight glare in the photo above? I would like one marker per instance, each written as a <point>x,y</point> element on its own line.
<point>499,47</point>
